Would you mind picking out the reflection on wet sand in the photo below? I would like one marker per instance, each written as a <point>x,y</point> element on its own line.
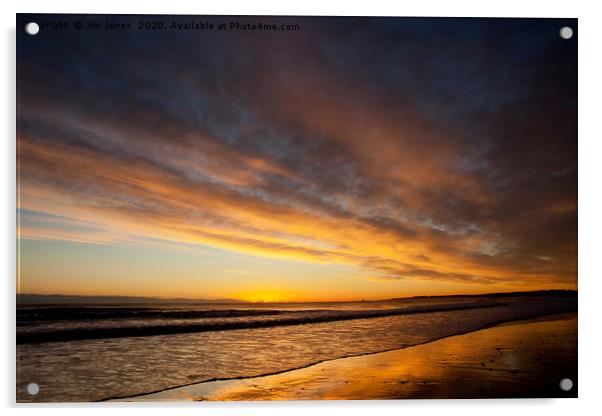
<point>520,359</point>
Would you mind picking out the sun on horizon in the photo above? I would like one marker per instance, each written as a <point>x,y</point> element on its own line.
<point>325,177</point>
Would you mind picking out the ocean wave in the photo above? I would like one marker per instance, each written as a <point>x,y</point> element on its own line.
<point>104,313</point>
<point>167,327</point>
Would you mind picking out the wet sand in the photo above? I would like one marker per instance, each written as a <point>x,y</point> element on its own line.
<point>517,359</point>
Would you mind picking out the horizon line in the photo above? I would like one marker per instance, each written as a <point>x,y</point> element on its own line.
<point>236,300</point>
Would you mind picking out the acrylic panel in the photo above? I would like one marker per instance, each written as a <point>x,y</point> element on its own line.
<point>295,208</point>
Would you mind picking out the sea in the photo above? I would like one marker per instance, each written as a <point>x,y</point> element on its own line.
<point>96,352</point>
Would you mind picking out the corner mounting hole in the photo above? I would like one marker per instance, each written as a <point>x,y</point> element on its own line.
<point>566,32</point>
<point>33,389</point>
<point>32,28</point>
<point>566,384</point>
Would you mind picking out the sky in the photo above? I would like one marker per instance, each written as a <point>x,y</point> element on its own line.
<point>353,158</point>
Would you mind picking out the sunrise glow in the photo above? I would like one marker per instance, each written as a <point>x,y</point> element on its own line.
<point>326,176</point>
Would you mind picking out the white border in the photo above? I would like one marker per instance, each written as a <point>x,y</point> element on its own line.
<point>590,206</point>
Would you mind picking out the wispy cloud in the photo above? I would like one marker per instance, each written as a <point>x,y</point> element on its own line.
<point>368,147</point>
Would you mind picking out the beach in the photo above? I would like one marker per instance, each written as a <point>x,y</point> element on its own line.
<point>105,352</point>
<point>519,359</point>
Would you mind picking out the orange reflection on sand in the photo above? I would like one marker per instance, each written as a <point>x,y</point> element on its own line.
<point>523,359</point>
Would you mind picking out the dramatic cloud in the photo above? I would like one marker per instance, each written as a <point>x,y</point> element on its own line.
<point>431,149</point>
